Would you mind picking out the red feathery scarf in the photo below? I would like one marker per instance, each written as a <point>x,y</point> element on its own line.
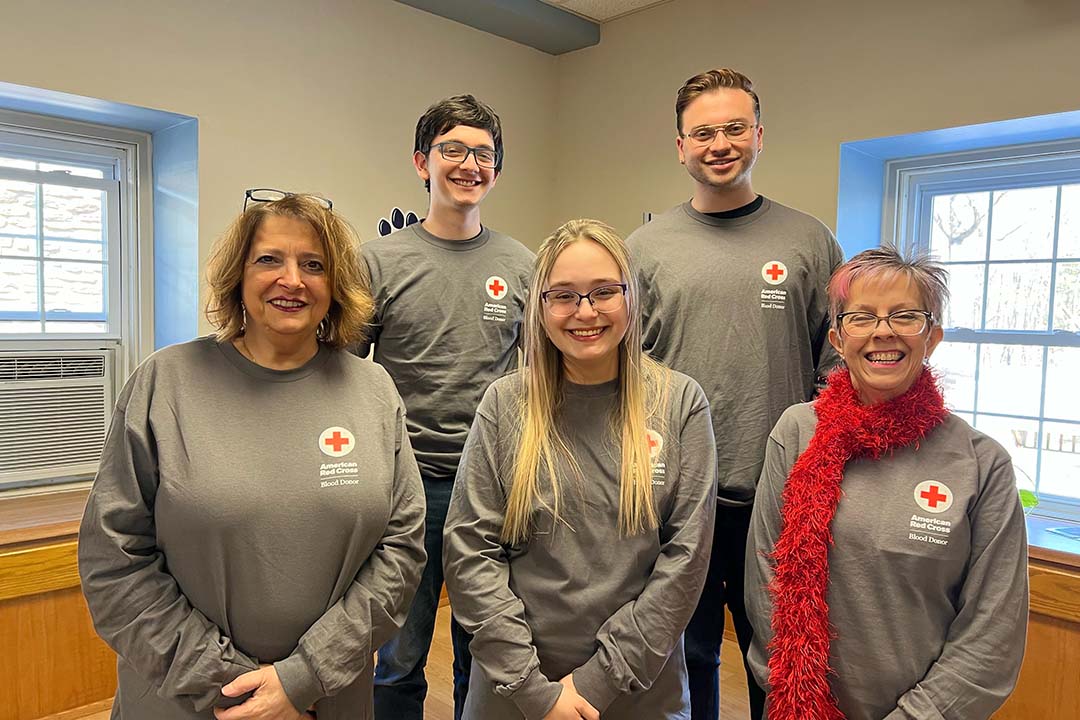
<point>846,429</point>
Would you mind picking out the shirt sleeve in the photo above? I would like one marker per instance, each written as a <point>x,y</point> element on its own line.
<point>651,317</point>
<point>765,524</point>
<point>339,645</point>
<point>635,643</point>
<point>824,353</point>
<point>374,327</point>
<point>136,605</point>
<point>478,576</point>
<point>984,648</point>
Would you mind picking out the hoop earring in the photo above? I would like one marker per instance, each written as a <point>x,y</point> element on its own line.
<point>323,329</point>
<point>243,317</point>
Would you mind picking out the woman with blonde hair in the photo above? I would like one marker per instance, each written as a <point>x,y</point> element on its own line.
<point>255,530</point>
<point>579,530</point>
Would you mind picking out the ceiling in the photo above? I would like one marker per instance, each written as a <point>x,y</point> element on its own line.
<point>602,11</point>
<point>553,26</point>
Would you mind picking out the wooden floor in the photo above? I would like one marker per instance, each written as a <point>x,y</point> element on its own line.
<point>440,699</point>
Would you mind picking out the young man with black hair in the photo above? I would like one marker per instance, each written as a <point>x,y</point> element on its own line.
<point>449,300</point>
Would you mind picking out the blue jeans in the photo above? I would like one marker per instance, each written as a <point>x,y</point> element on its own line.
<point>723,585</point>
<point>400,685</point>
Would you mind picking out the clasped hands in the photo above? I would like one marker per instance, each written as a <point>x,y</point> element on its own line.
<point>570,705</point>
<point>268,702</point>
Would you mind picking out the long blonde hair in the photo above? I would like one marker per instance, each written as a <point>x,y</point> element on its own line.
<point>643,395</point>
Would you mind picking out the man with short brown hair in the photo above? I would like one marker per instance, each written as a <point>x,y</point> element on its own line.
<point>739,306</point>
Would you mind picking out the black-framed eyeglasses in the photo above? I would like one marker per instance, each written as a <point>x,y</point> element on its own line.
<point>734,131</point>
<point>459,152</point>
<point>265,195</point>
<point>604,299</point>
<point>902,322</point>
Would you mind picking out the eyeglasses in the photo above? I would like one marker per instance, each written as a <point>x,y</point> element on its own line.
<point>734,130</point>
<point>459,153</point>
<point>604,299</point>
<point>266,195</point>
<point>902,322</point>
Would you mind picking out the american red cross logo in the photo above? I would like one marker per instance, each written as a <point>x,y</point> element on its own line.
<point>774,272</point>
<point>336,441</point>
<point>656,443</point>
<point>933,496</point>
<point>496,287</point>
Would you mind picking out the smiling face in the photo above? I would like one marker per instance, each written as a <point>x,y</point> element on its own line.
<point>884,365</point>
<point>285,288</point>
<point>588,340</point>
<point>722,165</point>
<point>460,185</point>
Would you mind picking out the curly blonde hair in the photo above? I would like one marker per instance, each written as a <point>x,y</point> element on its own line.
<point>351,303</point>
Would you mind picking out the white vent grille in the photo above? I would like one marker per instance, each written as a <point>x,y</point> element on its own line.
<point>51,367</point>
<point>54,412</point>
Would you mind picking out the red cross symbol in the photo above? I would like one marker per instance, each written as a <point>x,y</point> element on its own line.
<point>774,272</point>
<point>933,496</point>
<point>656,443</point>
<point>497,287</point>
<point>336,441</point>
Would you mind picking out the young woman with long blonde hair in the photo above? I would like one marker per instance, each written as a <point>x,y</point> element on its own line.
<point>580,525</point>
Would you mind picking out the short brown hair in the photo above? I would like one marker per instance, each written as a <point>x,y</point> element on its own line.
<point>351,304</point>
<point>710,81</point>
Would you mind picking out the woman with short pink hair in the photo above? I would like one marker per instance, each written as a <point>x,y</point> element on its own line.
<point>886,571</point>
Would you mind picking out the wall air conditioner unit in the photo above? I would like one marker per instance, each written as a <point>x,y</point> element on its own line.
<point>54,412</point>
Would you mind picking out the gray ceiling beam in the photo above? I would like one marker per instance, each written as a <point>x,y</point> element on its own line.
<point>529,22</point>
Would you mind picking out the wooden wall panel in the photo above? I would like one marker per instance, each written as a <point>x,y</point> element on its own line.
<point>1049,685</point>
<point>38,569</point>
<point>51,660</point>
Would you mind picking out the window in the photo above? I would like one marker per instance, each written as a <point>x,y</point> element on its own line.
<point>1006,224</point>
<point>59,240</point>
<point>73,322</point>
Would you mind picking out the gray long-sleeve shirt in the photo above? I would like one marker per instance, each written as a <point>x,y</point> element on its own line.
<point>243,515</point>
<point>927,574</point>
<point>577,596</point>
<point>739,305</point>
<point>448,318</point>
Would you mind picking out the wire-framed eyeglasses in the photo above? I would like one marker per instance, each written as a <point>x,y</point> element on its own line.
<point>902,322</point>
<point>734,131</point>
<point>459,152</point>
<point>604,299</point>
<point>266,195</point>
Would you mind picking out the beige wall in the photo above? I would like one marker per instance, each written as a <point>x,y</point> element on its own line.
<point>827,72</point>
<point>324,95</point>
<point>320,95</point>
